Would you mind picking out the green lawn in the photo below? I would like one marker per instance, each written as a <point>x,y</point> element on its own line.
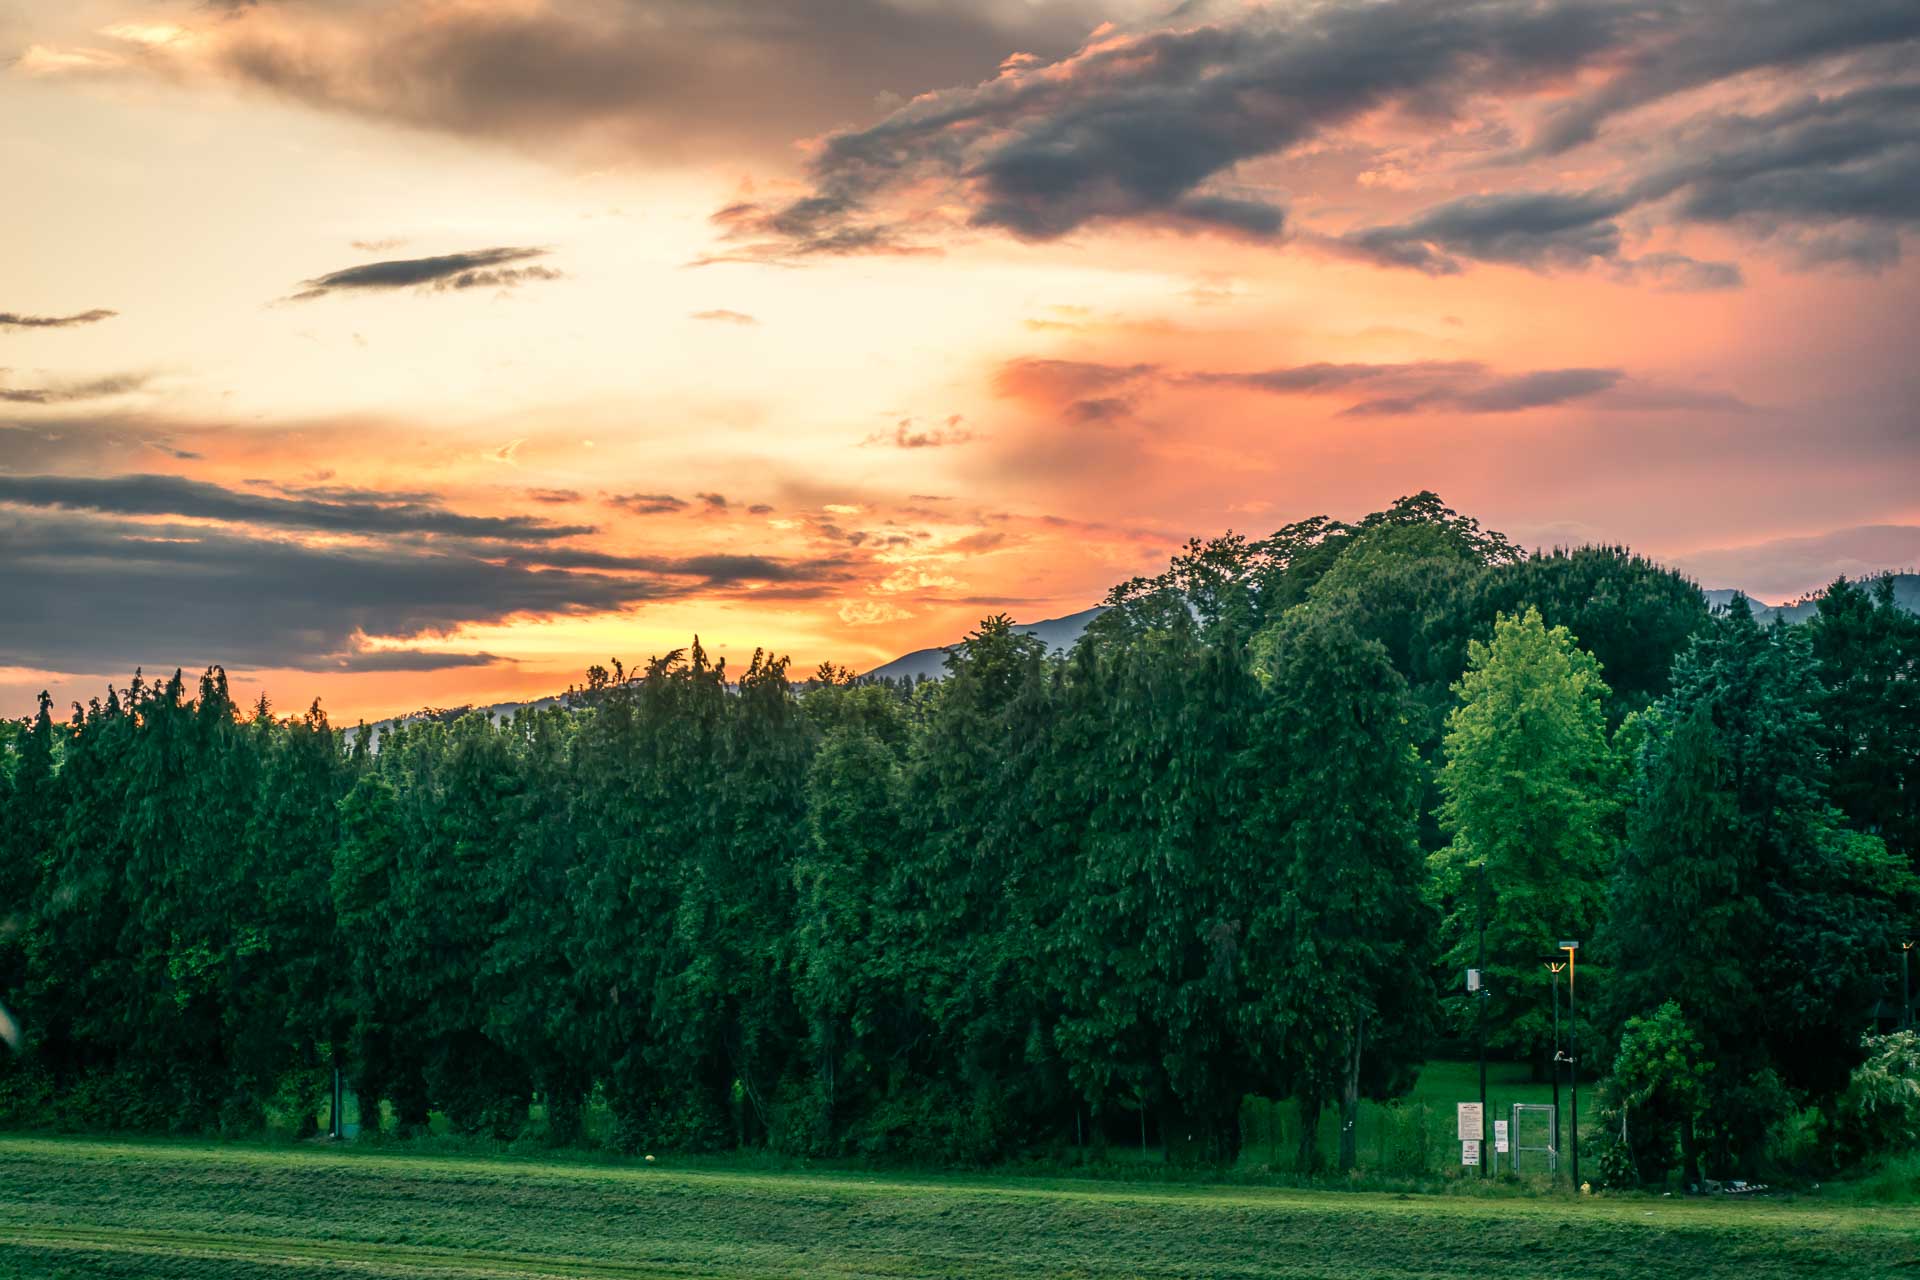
<point>73,1208</point>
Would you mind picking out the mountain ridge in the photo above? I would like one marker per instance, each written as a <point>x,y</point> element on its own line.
<point>1062,633</point>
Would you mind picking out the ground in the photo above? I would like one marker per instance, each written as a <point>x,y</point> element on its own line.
<point>82,1209</point>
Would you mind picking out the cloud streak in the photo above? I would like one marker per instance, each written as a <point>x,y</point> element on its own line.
<point>163,495</point>
<point>1383,390</point>
<point>473,269</point>
<point>15,320</point>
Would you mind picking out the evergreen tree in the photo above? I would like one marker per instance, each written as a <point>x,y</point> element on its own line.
<point>1336,943</point>
<point>1739,894</point>
<point>1868,652</point>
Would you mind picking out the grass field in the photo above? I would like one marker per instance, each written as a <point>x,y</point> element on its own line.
<point>74,1208</point>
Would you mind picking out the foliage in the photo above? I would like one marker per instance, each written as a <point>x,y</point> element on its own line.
<point>1049,905</point>
<point>1529,791</point>
<point>1741,895</point>
<point>1879,1114</point>
<point>1660,1080</point>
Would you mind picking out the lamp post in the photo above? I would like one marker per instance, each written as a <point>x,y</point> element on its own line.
<point>1906,986</point>
<point>1573,1044</point>
<point>1480,1017</point>
<point>1553,968</point>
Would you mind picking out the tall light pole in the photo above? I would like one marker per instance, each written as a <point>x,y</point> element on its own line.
<point>1573,1057</point>
<point>1480,1018</point>
<point>1906,986</point>
<point>1553,968</point>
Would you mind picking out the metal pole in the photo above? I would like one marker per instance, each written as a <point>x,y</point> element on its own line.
<point>1554,970</point>
<point>1480,1019</point>
<point>1906,987</point>
<point>1573,1059</point>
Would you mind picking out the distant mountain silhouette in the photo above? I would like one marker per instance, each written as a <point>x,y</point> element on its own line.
<point>1059,635</point>
<point>1906,594</point>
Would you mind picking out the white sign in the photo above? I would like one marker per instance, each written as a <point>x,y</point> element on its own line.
<point>1472,1122</point>
<point>1469,1153</point>
<point>1500,1135</point>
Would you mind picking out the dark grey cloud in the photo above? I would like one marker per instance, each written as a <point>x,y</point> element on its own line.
<point>15,320</point>
<point>117,384</point>
<point>659,78</point>
<point>1150,126</point>
<point>713,501</point>
<point>647,504</point>
<point>1690,43</point>
<point>473,269</point>
<point>1141,127</point>
<point>402,660</point>
<point>1834,177</point>
<point>713,570</point>
<point>1526,228</point>
<point>554,497</point>
<point>95,594</point>
<point>161,495</point>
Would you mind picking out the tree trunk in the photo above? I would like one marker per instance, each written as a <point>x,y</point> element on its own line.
<point>1689,1153</point>
<point>1308,1158</point>
<point>1350,1098</point>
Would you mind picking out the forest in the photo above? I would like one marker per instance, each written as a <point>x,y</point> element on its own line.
<point>1238,842</point>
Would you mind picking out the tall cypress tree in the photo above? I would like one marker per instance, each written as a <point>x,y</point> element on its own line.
<point>1337,943</point>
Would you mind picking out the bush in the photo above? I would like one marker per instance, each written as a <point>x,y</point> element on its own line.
<point>1879,1114</point>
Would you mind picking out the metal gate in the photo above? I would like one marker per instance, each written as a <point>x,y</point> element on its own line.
<point>1536,1132</point>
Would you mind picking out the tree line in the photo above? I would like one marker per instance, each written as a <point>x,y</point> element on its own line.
<point>1237,841</point>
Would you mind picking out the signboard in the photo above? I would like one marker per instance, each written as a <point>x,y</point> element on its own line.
<point>1473,979</point>
<point>1469,1153</point>
<point>1500,1136</point>
<point>1472,1122</point>
<point>1569,944</point>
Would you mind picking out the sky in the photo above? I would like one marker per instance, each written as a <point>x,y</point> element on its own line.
<point>425,354</point>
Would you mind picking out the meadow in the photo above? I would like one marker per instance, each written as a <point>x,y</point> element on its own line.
<point>83,1208</point>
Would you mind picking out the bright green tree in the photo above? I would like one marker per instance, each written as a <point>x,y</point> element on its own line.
<point>1530,794</point>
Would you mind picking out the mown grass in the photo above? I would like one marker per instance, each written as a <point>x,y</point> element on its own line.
<point>78,1209</point>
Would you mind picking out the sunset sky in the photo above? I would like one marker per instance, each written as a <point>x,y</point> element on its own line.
<point>426,353</point>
